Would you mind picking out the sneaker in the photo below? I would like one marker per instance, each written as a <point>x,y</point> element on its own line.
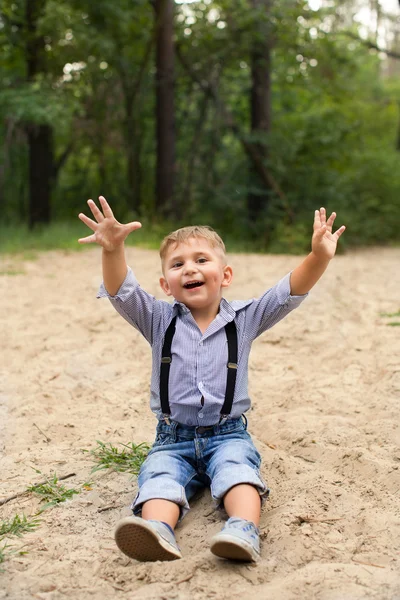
<point>239,540</point>
<point>146,540</point>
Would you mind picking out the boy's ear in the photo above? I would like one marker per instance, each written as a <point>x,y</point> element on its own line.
<point>164,286</point>
<point>228,276</point>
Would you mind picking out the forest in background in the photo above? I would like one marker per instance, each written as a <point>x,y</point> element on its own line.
<point>244,115</point>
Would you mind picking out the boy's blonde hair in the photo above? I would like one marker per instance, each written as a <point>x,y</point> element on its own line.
<point>194,231</point>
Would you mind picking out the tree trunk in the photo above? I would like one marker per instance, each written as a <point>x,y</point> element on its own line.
<point>165,113</point>
<point>260,100</point>
<point>40,141</point>
<point>40,137</point>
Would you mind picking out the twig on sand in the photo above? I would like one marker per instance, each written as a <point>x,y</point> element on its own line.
<point>185,579</point>
<point>104,508</point>
<point>5,500</point>
<point>368,564</point>
<point>310,460</point>
<point>308,519</point>
<point>43,433</point>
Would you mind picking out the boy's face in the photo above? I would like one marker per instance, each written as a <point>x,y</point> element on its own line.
<point>195,273</point>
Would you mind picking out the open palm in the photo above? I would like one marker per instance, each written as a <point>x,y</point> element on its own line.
<point>324,241</point>
<point>108,232</point>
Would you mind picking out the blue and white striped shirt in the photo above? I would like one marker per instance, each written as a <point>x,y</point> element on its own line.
<point>198,368</point>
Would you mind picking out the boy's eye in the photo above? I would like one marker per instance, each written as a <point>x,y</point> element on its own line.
<point>202,260</point>
<point>177,264</point>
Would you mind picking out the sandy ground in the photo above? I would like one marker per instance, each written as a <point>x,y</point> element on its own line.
<point>325,385</point>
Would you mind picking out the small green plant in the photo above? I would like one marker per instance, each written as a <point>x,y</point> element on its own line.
<point>3,553</point>
<point>130,459</point>
<point>17,526</point>
<point>52,492</point>
<point>6,551</point>
<point>391,316</point>
<point>12,272</point>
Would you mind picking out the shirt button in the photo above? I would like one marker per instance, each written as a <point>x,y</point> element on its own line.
<point>200,343</point>
<point>201,416</point>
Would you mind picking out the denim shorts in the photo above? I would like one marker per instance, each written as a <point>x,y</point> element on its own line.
<point>185,459</point>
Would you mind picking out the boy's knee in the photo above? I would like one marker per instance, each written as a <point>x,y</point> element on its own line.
<point>230,477</point>
<point>161,488</point>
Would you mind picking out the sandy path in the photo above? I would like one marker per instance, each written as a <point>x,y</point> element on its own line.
<point>325,385</point>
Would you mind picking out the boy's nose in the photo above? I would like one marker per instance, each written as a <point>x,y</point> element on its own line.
<point>190,267</point>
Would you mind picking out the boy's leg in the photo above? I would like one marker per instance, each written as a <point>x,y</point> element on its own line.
<point>239,539</point>
<point>146,540</point>
<point>236,483</point>
<point>161,510</point>
<point>243,501</point>
<point>163,479</point>
<point>150,537</point>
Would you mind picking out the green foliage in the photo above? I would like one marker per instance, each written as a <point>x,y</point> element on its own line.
<point>18,239</point>
<point>17,526</point>
<point>14,527</point>
<point>129,459</point>
<point>390,316</point>
<point>335,130</point>
<point>52,492</point>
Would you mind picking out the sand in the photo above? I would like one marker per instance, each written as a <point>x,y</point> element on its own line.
<point>325,385</point>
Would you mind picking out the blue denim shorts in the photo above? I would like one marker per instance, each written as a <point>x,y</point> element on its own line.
<point>184,459</point>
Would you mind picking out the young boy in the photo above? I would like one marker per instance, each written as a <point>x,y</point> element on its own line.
<point>201,345</point>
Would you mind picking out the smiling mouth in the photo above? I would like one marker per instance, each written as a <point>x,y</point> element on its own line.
<point>193,284</point>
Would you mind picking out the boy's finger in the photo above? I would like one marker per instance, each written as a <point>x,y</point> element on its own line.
<point>317,220</point>
<point>339,232</point>
<point>98,215</point>
<point>87,240</point>
<point>133,226</point>
<point>322,213</point>
<point>331,220</point>
<point>106,207</point>
<point>89,222</point>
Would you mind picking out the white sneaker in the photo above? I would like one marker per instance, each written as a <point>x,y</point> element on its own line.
<point>239,540</point>
<point>146,540</point>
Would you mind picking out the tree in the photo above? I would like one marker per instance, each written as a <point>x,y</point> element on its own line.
<point>165,108</point>
<point>39,135</point>
<point>260,102</point>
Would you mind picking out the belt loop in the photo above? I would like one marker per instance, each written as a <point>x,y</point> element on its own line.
<point>245,421</point>
<point>174,425</point>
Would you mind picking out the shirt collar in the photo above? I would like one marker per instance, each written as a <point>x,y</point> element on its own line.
<point>226,311</point>
<point>179,307</point>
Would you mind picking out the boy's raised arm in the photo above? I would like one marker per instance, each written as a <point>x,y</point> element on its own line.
<point>110,234</point>
<point>323,244</point>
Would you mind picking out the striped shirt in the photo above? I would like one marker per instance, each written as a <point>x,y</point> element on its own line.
<point>197,380</point>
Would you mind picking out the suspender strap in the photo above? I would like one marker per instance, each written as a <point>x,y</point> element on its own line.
<point>231,334</point>
<point>166,359</point>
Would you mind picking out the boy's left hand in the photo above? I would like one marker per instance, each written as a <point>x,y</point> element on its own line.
<point>324,242</point>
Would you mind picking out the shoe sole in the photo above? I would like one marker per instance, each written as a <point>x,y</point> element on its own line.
<point>137,539</point>
<point>226,546</point>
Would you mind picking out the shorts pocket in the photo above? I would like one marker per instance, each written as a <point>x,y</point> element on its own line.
<point>162,439</point>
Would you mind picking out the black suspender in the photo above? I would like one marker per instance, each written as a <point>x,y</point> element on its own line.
<point>166,358</point>
<point>231,335</point>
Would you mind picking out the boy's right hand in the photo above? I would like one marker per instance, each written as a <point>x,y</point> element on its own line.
<point>108,232</point>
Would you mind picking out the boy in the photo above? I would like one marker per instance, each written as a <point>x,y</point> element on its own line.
<point>201,345</point>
